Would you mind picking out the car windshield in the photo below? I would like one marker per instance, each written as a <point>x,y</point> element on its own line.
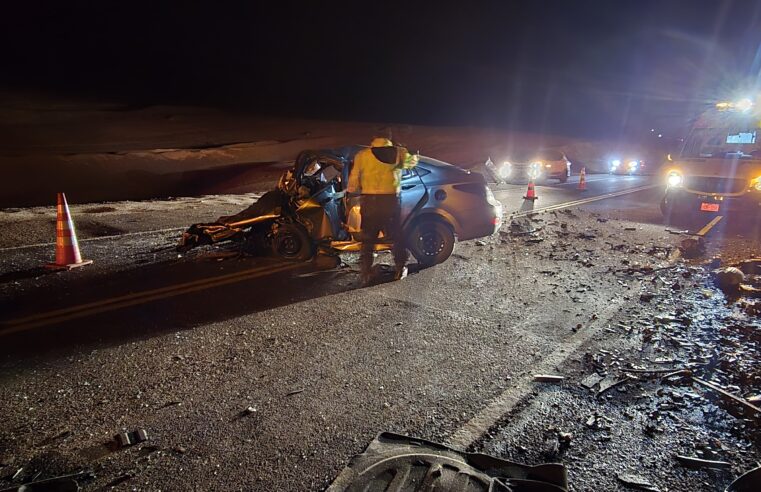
<point>739,141</point>
<point>523,155</point>
<point>549,155</point>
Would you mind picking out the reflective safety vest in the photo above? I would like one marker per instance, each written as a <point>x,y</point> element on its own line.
<point>378,170</point>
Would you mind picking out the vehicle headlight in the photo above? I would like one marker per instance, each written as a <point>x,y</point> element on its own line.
<point>633,164</point>
<point>757,184</point>
<point>674,179</point>
<point>534,170</point>
<point>505,169</point>
<point>615,163</point>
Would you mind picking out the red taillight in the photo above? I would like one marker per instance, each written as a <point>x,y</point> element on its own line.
<point>496,221</point>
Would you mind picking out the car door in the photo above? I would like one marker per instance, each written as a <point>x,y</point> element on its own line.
<point>412,193</point>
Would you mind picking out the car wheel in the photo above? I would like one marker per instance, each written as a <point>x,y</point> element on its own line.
<point>431,241</point>
<point>291,242</point>
<point>563,178</point>
<point>674,212</point>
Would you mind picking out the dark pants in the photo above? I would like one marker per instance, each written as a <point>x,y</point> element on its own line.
<point>382,213</point>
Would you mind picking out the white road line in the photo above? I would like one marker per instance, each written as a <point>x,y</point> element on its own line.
<point>490,415</point>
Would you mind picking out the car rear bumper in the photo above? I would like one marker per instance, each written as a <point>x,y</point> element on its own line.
<point>481,222</point>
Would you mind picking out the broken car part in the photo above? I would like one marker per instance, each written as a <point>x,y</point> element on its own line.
<point>130,438</point>
<point>394,462</point>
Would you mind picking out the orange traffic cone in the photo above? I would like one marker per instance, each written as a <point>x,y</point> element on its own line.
<point>530,192</point>
<point>583,179</point>
<point>67,254</point>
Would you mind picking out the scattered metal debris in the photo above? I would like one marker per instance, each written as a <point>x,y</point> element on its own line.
<point>692,247</point>
<point>65,483</point>
<point>125,439</point>
<point>698,463</point>
<point>416,464</point>
<point>610,382</point>
<point>749,410</point>
<point>548,378</point>
<point>729,279</point>
<point>592,380</point>
<point>750,266</point>
<point>637,482</point>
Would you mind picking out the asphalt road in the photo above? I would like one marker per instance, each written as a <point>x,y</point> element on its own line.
<point>182,346</point>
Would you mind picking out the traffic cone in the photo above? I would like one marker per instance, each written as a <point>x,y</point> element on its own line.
<point>583,179</point>
<point>530,192</point>
<point>67,254</point>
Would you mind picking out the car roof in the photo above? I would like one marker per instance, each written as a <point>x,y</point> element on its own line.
<point>348,152</point>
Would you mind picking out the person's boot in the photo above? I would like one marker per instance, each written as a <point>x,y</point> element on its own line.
<point>400,273</point>
<point>365,278</point>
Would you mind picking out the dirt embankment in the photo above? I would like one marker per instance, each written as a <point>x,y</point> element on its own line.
<point>106,152</point>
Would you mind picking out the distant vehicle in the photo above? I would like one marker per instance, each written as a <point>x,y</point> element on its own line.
<point>536,165</point>
<point>629,166</point>
<point>307,212</point>
<point>719,168</point>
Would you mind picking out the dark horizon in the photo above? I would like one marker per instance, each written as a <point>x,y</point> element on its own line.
<point>582,69</point>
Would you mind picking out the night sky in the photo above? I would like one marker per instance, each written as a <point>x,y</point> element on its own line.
<point>587,68</point>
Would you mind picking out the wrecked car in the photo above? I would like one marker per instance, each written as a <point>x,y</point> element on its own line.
<point>308,212</point>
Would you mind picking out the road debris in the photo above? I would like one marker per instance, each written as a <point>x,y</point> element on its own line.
<point>698,463</point>
<point>548,378</point>
<point>389,458</point>
<point>610,382</point>
<point>729,279</point>
<point>64,483</point>
<point>748,410</point>
<point>692,247</point>
<point>637,482</point>
<point>750,266</point>
<point>592,380</point>
<point>125,439</point>
<point>598,422</point>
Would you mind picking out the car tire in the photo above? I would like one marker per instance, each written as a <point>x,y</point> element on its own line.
<point>674,212</point>
<point>291,242</point>
<point>563,178</point>
<point>431,241</point>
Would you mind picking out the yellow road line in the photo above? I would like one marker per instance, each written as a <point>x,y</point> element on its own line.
<point>583,201</point>
<point>706,228</point>
<point>89,309</point>
<point>136,295</point>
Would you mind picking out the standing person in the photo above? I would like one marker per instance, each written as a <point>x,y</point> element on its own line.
<point>376,176</point>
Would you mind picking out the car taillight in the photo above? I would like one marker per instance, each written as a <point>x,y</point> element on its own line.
<point>496,221</point>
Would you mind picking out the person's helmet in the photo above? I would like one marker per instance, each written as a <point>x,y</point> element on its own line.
<point>381,142</point>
